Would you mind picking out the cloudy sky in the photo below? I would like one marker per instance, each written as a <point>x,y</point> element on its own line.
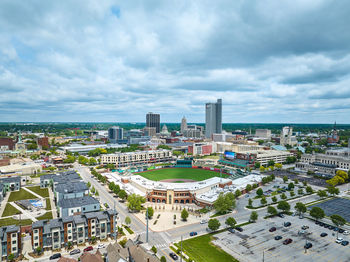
<point>270,61</point>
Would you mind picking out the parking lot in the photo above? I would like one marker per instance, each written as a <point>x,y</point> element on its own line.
<point>256,241</point>
<point>301,177</point>
<point>339,206</point>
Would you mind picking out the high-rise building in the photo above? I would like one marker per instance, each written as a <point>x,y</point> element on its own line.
<point>153,120</point>
<point>183,124</point>
<point>213,118</point>
<point>263,133</point>
<point>115,134</point>
<point>287,137</point>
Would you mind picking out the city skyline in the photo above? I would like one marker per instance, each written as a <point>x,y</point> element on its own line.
<point>118,60</point>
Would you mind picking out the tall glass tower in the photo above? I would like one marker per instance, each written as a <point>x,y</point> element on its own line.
<point>153,120</point>
<point>213,118</point>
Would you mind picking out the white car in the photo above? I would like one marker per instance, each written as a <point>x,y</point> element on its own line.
<point>339,240</point>
<point>204,221</point>
<point>346,232</point>
<point>101,246</point>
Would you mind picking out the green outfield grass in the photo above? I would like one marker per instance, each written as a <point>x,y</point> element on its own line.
<point>180,173</point>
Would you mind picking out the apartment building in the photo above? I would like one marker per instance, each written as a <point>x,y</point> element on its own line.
<point>71,190</point>
<point>8,184</point>
<point>10,241</point>
<point>56,233</point>
<point>72,206</point>
<point>60,178</point>
<point>136,158</point>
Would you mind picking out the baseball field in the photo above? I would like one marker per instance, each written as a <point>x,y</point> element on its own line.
<point>180,173</point>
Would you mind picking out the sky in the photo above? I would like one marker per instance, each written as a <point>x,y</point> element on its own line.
<point>114,61</point>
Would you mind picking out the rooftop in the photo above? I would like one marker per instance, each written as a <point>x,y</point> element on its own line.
<point>78,202</point>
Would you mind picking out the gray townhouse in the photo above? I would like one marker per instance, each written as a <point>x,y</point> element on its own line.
<point>71,206</point>
<point>10,241</point>
<point>9,184</point>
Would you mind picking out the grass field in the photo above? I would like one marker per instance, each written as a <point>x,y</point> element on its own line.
<point>47,215</point>
<point>21,194</point>
<point>48,204</point>
<point>11,221</point>
<point>44,192</point>
<point>200,249</point>
<point>10,211</point>
<point>180,173</point>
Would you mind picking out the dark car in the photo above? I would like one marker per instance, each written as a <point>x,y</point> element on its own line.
<point>272,229</point>
<point>341,231</point>
<point>55,256</point>
<point>287,224</point>
<point>324,234</point>
<point>239,229</point>
<point>89,248</point>
<point>335,229</point>
<point>281,215</point>
<point>231,230</point>
<point>193,234</point>
<point>287,241</point>
<point>278,237</point>
<point>308,245</point>
<point>317,222</point>
<point>321,224</point>
<point>304,227</point>
<point>345,243</point>
<point>173,256</point>
<point>75,251</point>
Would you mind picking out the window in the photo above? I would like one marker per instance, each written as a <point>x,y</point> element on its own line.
<point>14,235</point>
<point>36,238</point>
<point>36,244</point>
<point>83,208</point>
<point>69,225</point>
<point>14,249</point>
<point>36,231</point>
<point>14,242</point>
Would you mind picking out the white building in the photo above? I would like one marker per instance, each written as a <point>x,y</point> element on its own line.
<point>263,133</point>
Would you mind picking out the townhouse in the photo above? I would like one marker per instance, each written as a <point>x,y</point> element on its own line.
<point>10,241</point>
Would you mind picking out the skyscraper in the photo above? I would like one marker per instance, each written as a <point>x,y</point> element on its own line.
<point>115,134</point>
<point>213,118</point>
<point>183,124</point>
<point>153,120</point>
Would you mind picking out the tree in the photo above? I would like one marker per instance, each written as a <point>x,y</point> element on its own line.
<point>127,221</point>
<point>96,193</point>
<point>255,186</point>
<point>93,190</point>
<point>111,186</point>
<point>163,259</point>
<point>116,189</point>
<point>150,212</point>
<point>224,203</point>
<point>257,164</point>
<point>259,192</point>
<point>283,196</point>
<point>238,193</point>
<point>301,208</point>
<point>231,222</point>
<point>69,245</point>
<point>317,213</point>
<point>278,166</point>
<point>290,186</point>
<point>272,177</point>
<point>11,257</point>
<point>285,179</point>
<point>254,216</point>
<point>271,210</point>
<point>93,239</point>
<point>284,206</point>
<point>263,201</point>
<point>213,224</point>
<point>184,214</point>
<point>88,184</point>
<point>135,202</point>
<point>333,190</point>
<point>38,250</point>
<point>305,183</point>
<point>262,169</point>
<point>250,202</point>
<point>291,193</point>
<point>300,191</point>
<point>338,221</point>
<point>270,163</point>
<point>122,194</point>
<point>296,181</point>
<point>248,188</point>
<point>322,193</point>
<point>154,250</point>
<point>309,190</point>
<point>274,199</point>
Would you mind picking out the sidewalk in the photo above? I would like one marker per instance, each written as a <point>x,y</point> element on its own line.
<point>33,193</point>
<point>3,203</point>
<point>53,206</point>
<point>24,212</point>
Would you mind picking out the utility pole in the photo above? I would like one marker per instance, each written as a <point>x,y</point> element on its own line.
<point>263,255</point>
<point>181,250</point>
<point>147,225</point>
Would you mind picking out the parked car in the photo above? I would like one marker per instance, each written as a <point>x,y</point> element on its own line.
<point>345,243</point>
<point>281,215</point>
<point>301,232</point>
<point>272,229</point>
<point>231,230</point>
<point>74,251</point>
<point>321,224</point>
<point>89,248</point>
<point>341,231</point>
<point>239,229</point>
<point>287,224</point>
<point>101,246</point>
<point>305,227</point>
<point>324,234</point>
<point>317,222</point>
<point>204,221</point>
<point>173,256</point>
<point>339,240</point>
<point>278,237</point>
<point>346,232</point>
<point>193,234</point>
<point>55,256</point>
<point>287,241</point>
<point>308,245</point>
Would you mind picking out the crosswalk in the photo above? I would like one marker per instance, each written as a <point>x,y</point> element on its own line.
<point>162,239</point>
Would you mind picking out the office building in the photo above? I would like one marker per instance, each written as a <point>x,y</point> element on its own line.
<point>213,118</point>
<point>6,144</point>
<point>183,124</point>
<point>149,131</point>
<point>10,241</point>
<point>200,149</point>
<point>56,233</point>
<point>115,134</point>
<point>43,142</point>
<point>263,133</point>
<point>136,158</point>
<point>153,120</point>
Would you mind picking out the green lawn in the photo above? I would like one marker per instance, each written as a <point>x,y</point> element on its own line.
<point>47,215</point>
<point>48,204</point>
<point>44,192</point>
<point>180,173</point>
<point>11,221</point>
<point>21,194</point>
<point>200,249</point>
<point>10,211</point>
